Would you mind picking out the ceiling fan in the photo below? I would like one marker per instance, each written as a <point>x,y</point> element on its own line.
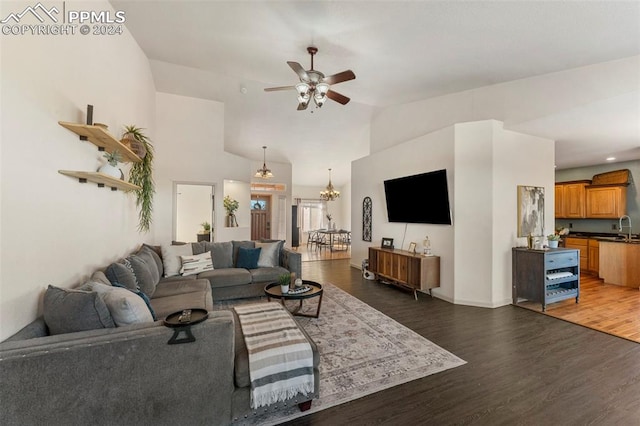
<point>314,85</point>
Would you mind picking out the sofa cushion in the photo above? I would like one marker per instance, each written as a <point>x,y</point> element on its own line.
<point>227,277</point>
<point>125,306</point>
<point>153,262</point>
<point>194,264</point>
<point>248,257</point>
<point>269,254</point>
<point>175,287</point>
<point>236,246</point>
<point>99,276</point>
<point>144,273</point>
<point>171,258</point>
<point>121,273</point>
<point>222,254</point>
<point>69,311</point>
<point>202,299</point>
<point>266,275</point>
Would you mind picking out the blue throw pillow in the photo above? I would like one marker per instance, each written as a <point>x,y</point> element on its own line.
<point>248,258</point>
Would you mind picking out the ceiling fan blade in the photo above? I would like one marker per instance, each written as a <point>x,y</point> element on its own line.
<point>297,68</point>
<point>340,77</point>
<point>273,89</point>
<point>302,107</point>
<point>341,99</point>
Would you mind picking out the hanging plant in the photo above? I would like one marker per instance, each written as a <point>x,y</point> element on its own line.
<point>142,175</point>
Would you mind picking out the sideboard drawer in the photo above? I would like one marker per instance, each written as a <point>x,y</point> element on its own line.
<point>560,260</point>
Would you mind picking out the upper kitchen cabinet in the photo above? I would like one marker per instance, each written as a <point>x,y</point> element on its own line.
<point>570,199</point>
<point>606,202</point>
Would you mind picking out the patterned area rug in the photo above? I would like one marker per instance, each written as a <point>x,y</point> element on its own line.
<point>362,351</point>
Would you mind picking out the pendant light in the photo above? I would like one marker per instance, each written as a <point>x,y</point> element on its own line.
<point>264,173</point>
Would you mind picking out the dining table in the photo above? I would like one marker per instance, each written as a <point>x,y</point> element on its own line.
<point>335,235</point>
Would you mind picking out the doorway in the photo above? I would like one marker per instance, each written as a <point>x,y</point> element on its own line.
<point>193,207</point>
<point>260,216</point>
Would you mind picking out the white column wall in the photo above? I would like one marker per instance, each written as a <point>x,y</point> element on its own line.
<point>54,229</point>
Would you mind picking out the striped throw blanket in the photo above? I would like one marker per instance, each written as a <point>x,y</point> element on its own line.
<point>280,357</point>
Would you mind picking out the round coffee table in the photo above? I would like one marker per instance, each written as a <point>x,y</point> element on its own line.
<point>273,292</point>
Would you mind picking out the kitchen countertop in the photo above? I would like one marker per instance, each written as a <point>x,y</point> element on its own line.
<point>611,238</point>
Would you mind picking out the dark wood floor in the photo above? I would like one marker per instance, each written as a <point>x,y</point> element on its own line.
<point>523,368</point>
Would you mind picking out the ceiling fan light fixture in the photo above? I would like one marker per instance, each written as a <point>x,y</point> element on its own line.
<point>303,89</point>
<point>322,89</point>
<point>264,173</point>
<point>329,194</point>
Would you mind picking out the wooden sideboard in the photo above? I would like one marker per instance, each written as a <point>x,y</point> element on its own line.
<point>405,269</point>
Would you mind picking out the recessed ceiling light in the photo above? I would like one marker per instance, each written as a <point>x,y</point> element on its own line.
<point>611,158</point>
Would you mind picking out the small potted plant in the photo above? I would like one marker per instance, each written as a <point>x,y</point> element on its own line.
<point>111,167</point>
<point>284,280</point>
<point>206,227</point>
<point>553,240</point>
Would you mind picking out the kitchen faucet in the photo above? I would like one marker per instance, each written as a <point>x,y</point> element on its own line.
<point>620,225</point>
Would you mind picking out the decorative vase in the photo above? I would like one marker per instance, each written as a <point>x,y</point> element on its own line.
<point>112,171</point>
<point>231,221</point>
<point>553,243</point>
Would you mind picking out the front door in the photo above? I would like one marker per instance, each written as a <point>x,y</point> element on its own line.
<point>260,217</point>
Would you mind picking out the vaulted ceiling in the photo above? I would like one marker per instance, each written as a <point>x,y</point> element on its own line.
<point>229,51</point>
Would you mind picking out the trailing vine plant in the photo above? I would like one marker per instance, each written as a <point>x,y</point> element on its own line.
<point>142,175</point>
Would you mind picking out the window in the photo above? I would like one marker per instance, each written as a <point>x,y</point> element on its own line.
<point>312,214</point>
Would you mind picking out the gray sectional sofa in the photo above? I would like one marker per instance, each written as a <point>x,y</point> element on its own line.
<point>100,353</point>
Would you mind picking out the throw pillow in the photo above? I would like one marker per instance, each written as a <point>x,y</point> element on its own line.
<point>237,245</point>
<point>119,273</point>
<point>222,255</point>
<point>149,251</point>
<point>248,257</point>
<point>196,263</point>
<point>125,306</point>
<point>144,274</point>
<point>171,258</point>
<point>69,311</point>
<point>269,255</point>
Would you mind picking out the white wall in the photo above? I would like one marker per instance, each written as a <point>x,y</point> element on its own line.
<point>190,148</point>
<point>54,229</point>
<point>193,207</point>
<point>338,208</point>
<point>430,152</point>
<point>485,164</point>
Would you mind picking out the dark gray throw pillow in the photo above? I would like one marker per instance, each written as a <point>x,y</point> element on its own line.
<point>144,276</point>
<point>222,255</point>
<point>69,311</point>
<point>155,253</point>
<point>119,273</point>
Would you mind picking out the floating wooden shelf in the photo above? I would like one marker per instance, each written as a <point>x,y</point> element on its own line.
<point>102,139</point>
<point>101,179</point>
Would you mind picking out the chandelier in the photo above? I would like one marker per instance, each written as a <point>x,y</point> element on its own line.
<point>264,173</point>
<point>329,194</point>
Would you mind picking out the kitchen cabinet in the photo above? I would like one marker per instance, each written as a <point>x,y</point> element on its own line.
<point>570,199</point>
<point>620,263</point>
<point>582,245</point>
<point>593,253</point>
<point>606,201</point>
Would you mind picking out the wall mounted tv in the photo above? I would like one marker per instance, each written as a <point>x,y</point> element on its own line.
<point>422,198</point>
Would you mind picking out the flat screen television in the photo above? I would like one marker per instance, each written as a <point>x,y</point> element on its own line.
<point>422,198</point>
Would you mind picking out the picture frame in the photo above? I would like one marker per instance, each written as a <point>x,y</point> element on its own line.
<point>387,243</point>
<point>530,211</point>
<point>412,247</point>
